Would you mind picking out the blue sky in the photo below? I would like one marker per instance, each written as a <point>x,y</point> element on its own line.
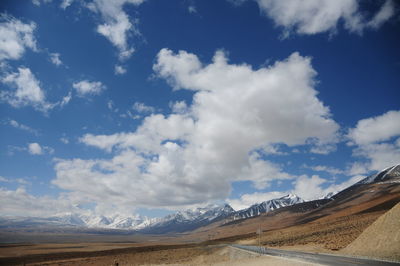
<point>145,107</point>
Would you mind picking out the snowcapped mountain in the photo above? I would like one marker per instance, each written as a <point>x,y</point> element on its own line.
<point>267,206</point>
<point>183,220</point>
<point>117,222</point>
<point>387,175</point>
<point>190,219</point>
<point>177,222</point>
<point>68,219</point>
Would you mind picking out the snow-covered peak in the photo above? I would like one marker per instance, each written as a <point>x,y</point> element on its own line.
<point>209,212</point>
<point>390,174</point>
<point>267,206</point>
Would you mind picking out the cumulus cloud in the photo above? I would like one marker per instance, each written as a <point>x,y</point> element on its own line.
<point>35,148</point>
<point>28,91</point>
<point>376,139</point>
<point>376,129</point>
<point>117,25</point>
<point>317,16</point>
<point>257,96</point>
<point>378,156</point>
<point>15,37</point>
<point>86,87</point>
<point>193,155</point>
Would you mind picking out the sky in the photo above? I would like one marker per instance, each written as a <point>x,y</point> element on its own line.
<point>145,107</point>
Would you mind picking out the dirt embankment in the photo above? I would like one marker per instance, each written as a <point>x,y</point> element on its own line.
<point>381,239</point>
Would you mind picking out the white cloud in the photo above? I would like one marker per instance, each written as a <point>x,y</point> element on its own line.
<point>143,108</point>
<point>323,148</point>
<point>4,180</point>
<point>22,181</point>
<point>85,87</point>
<point>55,59</point>
<point>64,140</point>
<point>310,188</point>
<point>257,96</point>
<point>179,107</point>
<point>379,156</point>
<point>376,140</point>
<point>117,26</point>
<point>65,100</point>
<point>15,37</point>
<point>20,203</point>
<point>193,156</point>
<point>119,70</point>
<point>110,105</point>
<point>376,129</point>
<point>66,3</point>
<point>18,125</point>
<point>262,172</point>
<point>273,150</point>
<point>35,148</point>
<point>39,2</point>
<point>385,13</point>
<point>324,168</point>
<point>317,16</point>
<point>28,91</point>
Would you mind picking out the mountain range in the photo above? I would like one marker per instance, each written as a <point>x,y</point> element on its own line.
<point>187,220</point>
<point>180,221</point>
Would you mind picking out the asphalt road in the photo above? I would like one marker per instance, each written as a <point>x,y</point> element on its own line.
<point>315,258</point>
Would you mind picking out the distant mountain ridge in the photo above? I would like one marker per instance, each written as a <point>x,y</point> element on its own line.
<point>187,220</point>
<point>180,221</point>
<point>267,206</point>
